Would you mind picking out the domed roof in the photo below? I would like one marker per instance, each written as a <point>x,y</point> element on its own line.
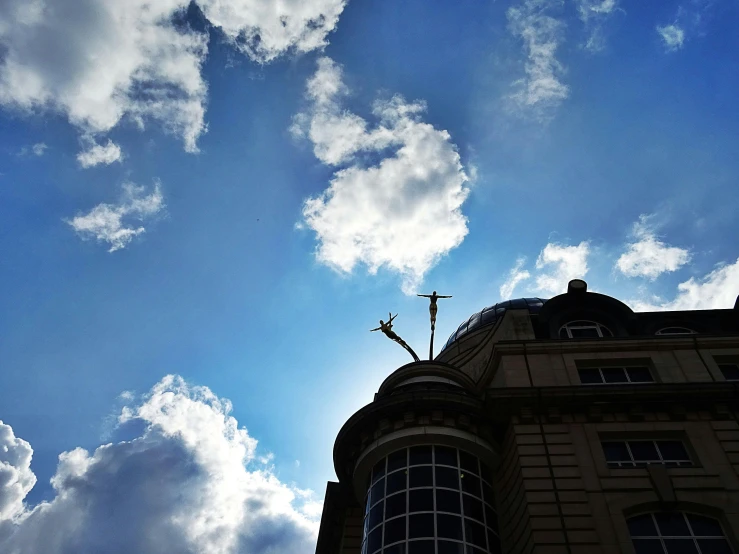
<point>491,314</point>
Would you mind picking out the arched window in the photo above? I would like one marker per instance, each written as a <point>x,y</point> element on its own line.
<point>675,331</point>
<point>584,330</point>
<point>668,532</point>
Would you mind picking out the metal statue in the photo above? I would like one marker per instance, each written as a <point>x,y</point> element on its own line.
<point>433,308</point>
<point>387,329</point>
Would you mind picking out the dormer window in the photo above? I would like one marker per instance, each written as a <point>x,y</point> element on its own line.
<point>675,331</point>
<point>584,330</point>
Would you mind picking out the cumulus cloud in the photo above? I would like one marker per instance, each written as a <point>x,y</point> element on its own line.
<point>97,154</point>
<point>648,256</point>
<point>716,290</point>
<point>188,483</point>
<point>16,477</point>
<point>100,61</point>
<point>558,264</point>
<point>542,89</point>
<point>395,198</point>
<point>118,224</point>
<point>515,276</point>
<point>672,37</point>
<point>594,14</point>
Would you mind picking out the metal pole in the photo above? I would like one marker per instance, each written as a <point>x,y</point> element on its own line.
<point>431,346</point>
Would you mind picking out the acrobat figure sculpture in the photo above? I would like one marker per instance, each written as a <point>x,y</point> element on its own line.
<point>433,308</point>
<point>387,329</point>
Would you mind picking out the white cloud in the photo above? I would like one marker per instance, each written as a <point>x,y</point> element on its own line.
<point>395,199</point>
<point>716,290</point>
<point>648,256</point>
<point>593,14</point>
<point>542,89</point>
<point>188,483</point>
<point>111,223</point>
<point>100,61</point>
<point>16,477</point>
<point>561,264</point>
<point>100,154</point>
<point>672,36</point>
<point>515,276</point>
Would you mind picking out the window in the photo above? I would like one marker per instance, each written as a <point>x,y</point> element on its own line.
<point>638,453</point>
<point>430,500</point>
<point>730,371</point>
<point>668,532</point>
<point>614,375</point>
<point>584,330</point>
<point>675,331</point>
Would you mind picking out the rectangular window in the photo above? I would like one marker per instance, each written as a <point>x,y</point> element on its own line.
<point>614,375</point>
<point>639,453</point>
<point>730,371</point>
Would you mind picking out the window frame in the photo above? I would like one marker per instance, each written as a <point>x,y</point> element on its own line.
<point>691,537</point>
<point>689,462</point>
<point>722,368</point>
<point>625,367</point>
<point>686,331</point>
<point>585,324</point>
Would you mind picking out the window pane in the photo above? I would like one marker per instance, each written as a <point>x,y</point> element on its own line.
<point>584,333</point>
<point>395,505</point>
<point>474,533</point>
<point>606,331</point>
<point>648,546</point>
<point>640,375</point>
<point>447,477</point>
<point>681,546</point>
<point>378,470</point>
<point>421,547</point>
<point>493,543</point>
<point>395,549</point>
<point>672,524</point>
<point>590,376</point>
<point>730,371</point>
<point>396,481</point>
<point>470,484</point>
<point>374,542</point>
<point>614,374</point>
<point>420,476</point>
<point>491,518</point>
<point>472,507</point>
<point>487,494</point>
<point>448,501</point>
<point>673,450</point>
<point>616,451</point>
<point>714,546</point>
<point>449,527</point>
<point>446,456</point>
<point>420,455</point>
<point>705,526</point>
<point>448,547</point>
<point>421,500</point>
<point>396,460</point>
<point>394,530</point>
<point>378,491</point>
<point>375,516</point>
<point>643,451</point>
<point>420,525</point>
<point>563,333</point>
<point>468,463</point>
<point>642,526</point>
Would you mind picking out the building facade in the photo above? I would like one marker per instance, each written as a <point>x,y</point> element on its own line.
<point>570,426</point>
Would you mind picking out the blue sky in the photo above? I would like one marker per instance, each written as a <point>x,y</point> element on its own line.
<point>234,193</point>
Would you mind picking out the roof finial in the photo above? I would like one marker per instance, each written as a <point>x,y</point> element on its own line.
<point>433,308</point>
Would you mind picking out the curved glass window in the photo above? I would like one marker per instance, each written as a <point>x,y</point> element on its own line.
<point>430,500</point>
<point>675,331</point>
<point>584,330</point>
<point>668,532</point>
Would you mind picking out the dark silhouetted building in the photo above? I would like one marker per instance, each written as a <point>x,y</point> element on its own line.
<point>564,426</point>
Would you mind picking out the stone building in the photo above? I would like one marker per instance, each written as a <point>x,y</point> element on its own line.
<point>569,425</point>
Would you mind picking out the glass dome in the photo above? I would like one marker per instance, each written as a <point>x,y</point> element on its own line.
<point>491,314</point>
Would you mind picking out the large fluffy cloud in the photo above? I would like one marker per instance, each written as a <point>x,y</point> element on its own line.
<point>716,290</point>
<point>542,88</point>
<point>648,256</point>
<point>395,199</point>
<point>558,264</point>
<point>189,483</point>
<point>16,477</point>
<point>118,224</point>
<point>98,61</point>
